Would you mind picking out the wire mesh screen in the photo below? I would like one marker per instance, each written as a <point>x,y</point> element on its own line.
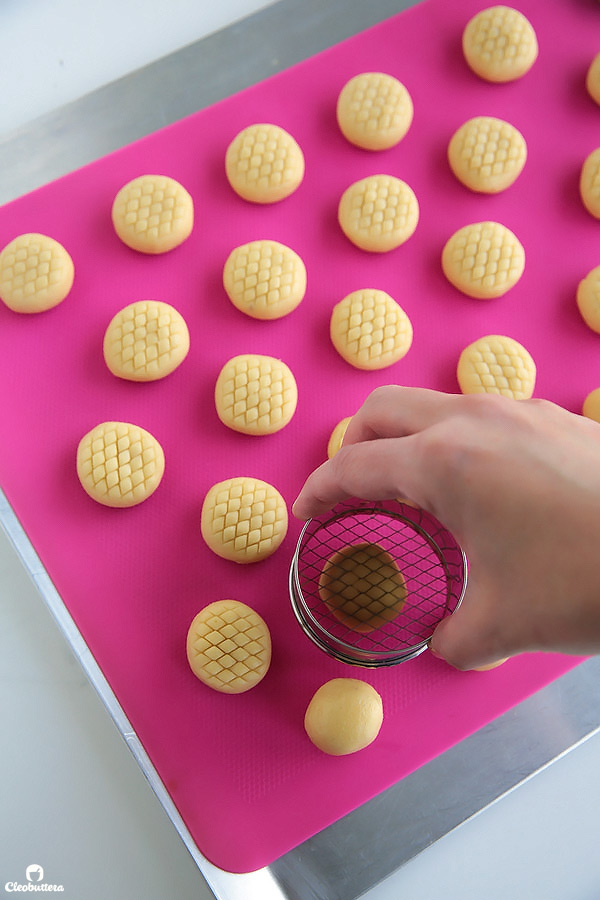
<point>369,582</point>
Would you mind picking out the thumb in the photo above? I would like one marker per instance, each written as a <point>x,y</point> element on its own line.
<point>468,638</point>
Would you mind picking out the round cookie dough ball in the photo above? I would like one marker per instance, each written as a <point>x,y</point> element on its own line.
<point>255,394</point>
<point>264,164</point>
<point>119,464</point>
<point>264,279</point>
<point>36,273</point>
<point>374,111</point>
<point>153,214</point>
<point>487,155</point>
<point>499,44</point>
<point>370,330</point>
<point>483,260</point>
<point>243,519</point>
<point>591,405</point>
<point>496,364</point>
<point>337,437</point>
<point>344,716</point>
<point>378,213</point>
<point>229,646</point>
<point>589,183</point>
<point>592,81</point>
<point>588,299</point>
<point>146,341</point>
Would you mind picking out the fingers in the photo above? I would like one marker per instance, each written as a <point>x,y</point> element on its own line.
<point>395,411</point>
<point>471,637</point>
<point>372,470</point>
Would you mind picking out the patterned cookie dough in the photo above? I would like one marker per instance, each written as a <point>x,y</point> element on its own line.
<point>592,80</point>
<point>119,464</point>
<point>378,213</point>
<point>591,405</point>
<point>255,394</point>
<point>370,330</point>
<point>483,260</point>
<point>588,299</point>
<point>229,646</point>
<point>344,715</point>
<point>146,341</point>
<point>264,164</point>
<point>499,44</point>
<point>337,437</point>
<point>374,111</point>
<point>496,364</point>
<point>153,214</point>
<point>589,183</point>
<point>36,273</point>
<point>264,279</point>
<point>486,154</point>
<point>362,587</point>
<point>244,519</point>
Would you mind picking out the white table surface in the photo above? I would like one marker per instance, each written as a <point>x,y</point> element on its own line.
<point>72,798</point>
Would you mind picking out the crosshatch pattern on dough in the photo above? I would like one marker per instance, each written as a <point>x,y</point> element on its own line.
<point>496,364</point>
<point>145,341</point>
<point>229,646</point>
<point>374,110</point>
<point>500,44</point>
<point>483,260</point>
<point>264,163</point>
<point>255,394</point>
<point>36,273</point>
<point>153,214</point>
<point>119,464</point>
<point>487,154</point>
<point>378,213</point>
<point>244,519</point>
<point>264,279</point>
<point>370,330</point>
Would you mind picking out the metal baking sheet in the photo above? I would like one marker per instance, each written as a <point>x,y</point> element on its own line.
<point>355,853</point>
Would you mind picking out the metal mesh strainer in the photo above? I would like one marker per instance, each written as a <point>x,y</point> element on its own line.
<point>370,581</point>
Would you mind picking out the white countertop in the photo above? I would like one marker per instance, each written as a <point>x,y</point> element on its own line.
<point>73,798</point>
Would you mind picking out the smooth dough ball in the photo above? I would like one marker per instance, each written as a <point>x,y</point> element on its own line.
<point>344,716</point>
<point>592,81</point>
<point>591,405</point>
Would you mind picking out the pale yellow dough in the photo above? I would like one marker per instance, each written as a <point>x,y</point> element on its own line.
<point>229,646</point>
<point>496,364</point>
<point>589,183</point>
<point>500,44</point>
<point>591,405</point>
<point>592,80</point>
<point>362,587</point>
<point>264,279</point>
<point>486,154</point>
<point>345,715</point>
<point>337,437</point>
<point>588,299</point>
<point>119,464</point>
<point>370,330</point>
<point>374,111</point>
<point>264,164</point>
<point>243,519</point>
<point>153,214</point>
<point>145,341</point>
<point>483,260</point>
<point>255,394</point>
<point>378,213</point>
<point>36,273</point>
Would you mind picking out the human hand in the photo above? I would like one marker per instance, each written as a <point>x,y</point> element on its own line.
<point>517,482</point>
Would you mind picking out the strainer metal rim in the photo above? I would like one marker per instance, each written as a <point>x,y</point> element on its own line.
<point>336,646</point>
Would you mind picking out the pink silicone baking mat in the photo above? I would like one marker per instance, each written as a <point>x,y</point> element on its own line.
<point>244,776</point>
